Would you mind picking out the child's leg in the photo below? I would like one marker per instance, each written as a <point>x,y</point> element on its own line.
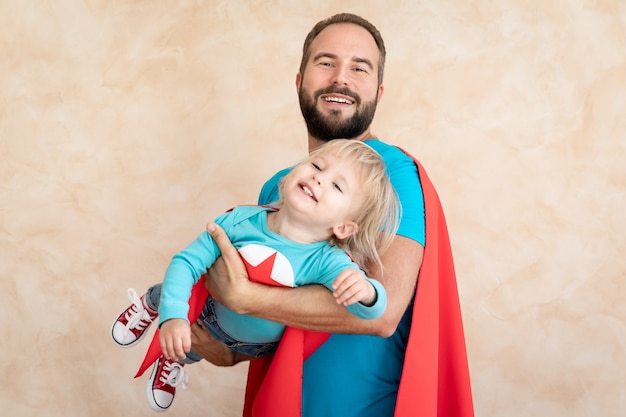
<point>132,324</point>
<point>153,296</point>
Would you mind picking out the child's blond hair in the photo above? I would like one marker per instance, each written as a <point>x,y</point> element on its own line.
<point>378,217</point>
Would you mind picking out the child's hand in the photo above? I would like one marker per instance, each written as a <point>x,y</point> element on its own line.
<point>175,338</point>
<point>351,287</point>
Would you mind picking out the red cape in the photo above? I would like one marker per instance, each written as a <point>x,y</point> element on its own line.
<point>435,377</point>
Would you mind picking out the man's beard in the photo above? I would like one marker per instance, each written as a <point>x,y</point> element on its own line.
<point>326,128</point>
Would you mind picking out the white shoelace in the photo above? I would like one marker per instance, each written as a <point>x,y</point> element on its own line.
<point>138,317</point>
<point>174,374</point>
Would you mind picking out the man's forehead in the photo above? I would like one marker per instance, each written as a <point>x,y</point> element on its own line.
<point>346,38</point>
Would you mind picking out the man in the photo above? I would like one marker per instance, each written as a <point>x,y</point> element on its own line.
<point>357,371</point>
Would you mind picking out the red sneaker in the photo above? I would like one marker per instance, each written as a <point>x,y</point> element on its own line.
<point>131,325</point>
<point>166,376</point>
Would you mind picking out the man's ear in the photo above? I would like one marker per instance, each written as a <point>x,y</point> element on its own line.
<point>345,230</point>
<point>298,81</point>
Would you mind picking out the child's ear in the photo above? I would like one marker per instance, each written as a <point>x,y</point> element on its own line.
<point>345,230</point>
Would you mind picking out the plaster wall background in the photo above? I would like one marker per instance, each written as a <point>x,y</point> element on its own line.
<point>126,125</point>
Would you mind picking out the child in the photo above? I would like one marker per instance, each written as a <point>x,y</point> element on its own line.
<point>337,201</point>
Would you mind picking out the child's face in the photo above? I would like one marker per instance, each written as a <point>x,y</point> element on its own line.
<point>326,190</point>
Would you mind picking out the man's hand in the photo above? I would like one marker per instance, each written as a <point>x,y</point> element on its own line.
<point>351,287</point>
<point>212,350</point>
<point>175,338</point>
<point>227,279</point>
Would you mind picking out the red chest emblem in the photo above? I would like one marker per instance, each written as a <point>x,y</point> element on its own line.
<point>267,266</point>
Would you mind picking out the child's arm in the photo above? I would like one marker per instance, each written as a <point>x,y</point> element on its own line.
<point>183,272</point>
<point>364,297</point>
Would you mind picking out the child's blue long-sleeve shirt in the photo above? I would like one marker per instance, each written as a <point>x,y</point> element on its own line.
<point>270,259</point>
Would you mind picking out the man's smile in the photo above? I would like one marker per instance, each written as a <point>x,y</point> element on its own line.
<point>337,99</point>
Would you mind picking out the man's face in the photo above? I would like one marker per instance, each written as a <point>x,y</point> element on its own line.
<point>339,89</point>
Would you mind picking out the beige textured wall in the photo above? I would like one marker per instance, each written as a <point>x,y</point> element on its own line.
<point>126,125</point>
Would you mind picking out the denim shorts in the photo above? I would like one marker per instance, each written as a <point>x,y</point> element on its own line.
<point>255,350</point>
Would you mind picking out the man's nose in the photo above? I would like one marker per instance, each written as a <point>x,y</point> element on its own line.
<point>340,76</point>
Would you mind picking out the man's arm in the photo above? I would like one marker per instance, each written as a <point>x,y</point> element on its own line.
<point>212,349</point>
<point>313,307</point>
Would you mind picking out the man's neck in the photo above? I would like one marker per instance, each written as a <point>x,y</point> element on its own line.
<point>315,143</point>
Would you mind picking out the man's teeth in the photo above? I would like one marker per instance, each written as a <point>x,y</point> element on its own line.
<point>338,100</point>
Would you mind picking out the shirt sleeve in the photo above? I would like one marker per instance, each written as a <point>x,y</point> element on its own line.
<point>375,310</point>
<point>184,270</point>
<point>405,179</point>
<point>335,260</point>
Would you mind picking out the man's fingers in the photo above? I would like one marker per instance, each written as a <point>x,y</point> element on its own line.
<point>221,239</point>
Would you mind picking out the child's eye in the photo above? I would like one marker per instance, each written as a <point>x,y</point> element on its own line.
<point>317,167</point>
<point>337,187</point>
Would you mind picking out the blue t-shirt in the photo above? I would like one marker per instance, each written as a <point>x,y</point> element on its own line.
<point>271,259</point>
<point>359,375</point>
